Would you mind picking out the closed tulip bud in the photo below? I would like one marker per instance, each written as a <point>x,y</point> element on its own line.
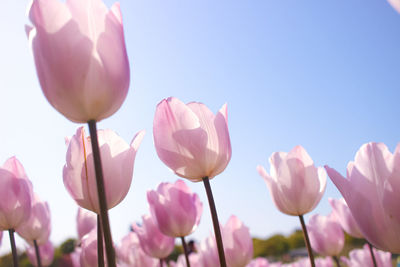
<point>131,253</point>
<point>38,226</point>
<point>88,255</point>
<point>46,254</point>
<point>326,235</point>
<point>371,192</point>
<point>80,57</point>
<point>295,184</point>
<point>153,242</point>
<point>175,208</point>
<point>362,258</point>
<point>345,218</point>
<point>86,221</point>
<point>191,140</point>
<point>15,195</point>
<point>117,158</point>
<point>208,252</point>
<point>238,245</point>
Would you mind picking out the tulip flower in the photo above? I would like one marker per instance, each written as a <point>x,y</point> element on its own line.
<point>295,184</point>
<point>305,262</point>
<point>37,227</point>
<point>131,253</point>
<point>118,158</point>
<point>362,258</point>
<point>326,235</point>
<point>371,192</point>
<point>46,254</point>
<point>238,244</point>
<point>89,252</point>
<point>194,143</point>
<point>80,57</point>
<point>194,259</point>
<point>176,209</point>
<point>263,262</point>
<point>153,242</point>
<point>86,220</point>
<point>343,215</point>
<point>191,140</point>
<point>395,4</point>
<point>208,252</point>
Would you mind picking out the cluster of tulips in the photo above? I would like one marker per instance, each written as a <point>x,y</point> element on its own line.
<point>83,69</point>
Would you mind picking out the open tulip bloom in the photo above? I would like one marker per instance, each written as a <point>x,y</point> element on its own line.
<point>83,69</point>
<point>371,192</point>
<point>295,184</point>
<point>194,143</point>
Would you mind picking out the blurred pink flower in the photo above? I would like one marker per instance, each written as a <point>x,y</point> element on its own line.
<point>15,195</point>
<point>152,241</point>
<point>305,262</point>
<point>80,57</point>
<point>326,235</point>
<point>88,255</point>
<point>46,254</point>
<point>86,220</point>
<point>208,252</point>
<point>295,184</point>
<point>194,260</point>
<point>262,262</point>
<point>130,253</point>
<point>38,226</point>
<point>176,209</point>
<point>190,139</point>
<point>238,245</point>
<point>344,217</point>
<point>395,4</point>
<point>371,192</point>
<point>362,258</point>
<point>117,158</point>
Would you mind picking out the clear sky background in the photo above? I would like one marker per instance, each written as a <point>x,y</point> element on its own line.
<point>323,74</point>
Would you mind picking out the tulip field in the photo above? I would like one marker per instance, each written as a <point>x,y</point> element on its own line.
<point>191,207</point>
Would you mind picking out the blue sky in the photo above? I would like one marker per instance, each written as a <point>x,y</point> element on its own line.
<point>323,74</point>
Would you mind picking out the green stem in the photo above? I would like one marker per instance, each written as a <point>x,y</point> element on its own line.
<point>307,241</point>
<point>100,252</point>
<point>336,261</point>
<point>185,249</point>
<point>101,195</point>
<point>13,247</point>
<point>214,217</point>
<point>37,251</point>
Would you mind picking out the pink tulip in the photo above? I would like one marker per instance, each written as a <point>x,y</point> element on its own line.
<point>190,139</point>
<point>176,209</point>
<point>362,258</point>
<point>305,262</point>
<point>88,255</point>
<point>46,254</point>
<point>345,218</point>
<point>86,221</point>
<point>38,226</point>
<point>262,262</point>
<point>395,4</point>
<point>117,158</point>
<point>371,192</point>
<point>326,235</point>
<point>238,245</point>
<point>194,260</point>
<point>76,257</point>
<point>80,57</point>
<point>15,195</point>
<point>208,252</point>
<point>153,242</point>
<point>295,184</point>
<point>130,253</point>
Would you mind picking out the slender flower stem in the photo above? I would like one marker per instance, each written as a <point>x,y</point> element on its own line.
<point>38,260</point>
<point>214,217</point>
<point>336,261</point>
<point>372,254</point>
<point>100,252</point>
<point>102,195</point>
<point>13,247</point>
<point>307,241</point>
<point>185,249</point>
<point>161,260</point>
